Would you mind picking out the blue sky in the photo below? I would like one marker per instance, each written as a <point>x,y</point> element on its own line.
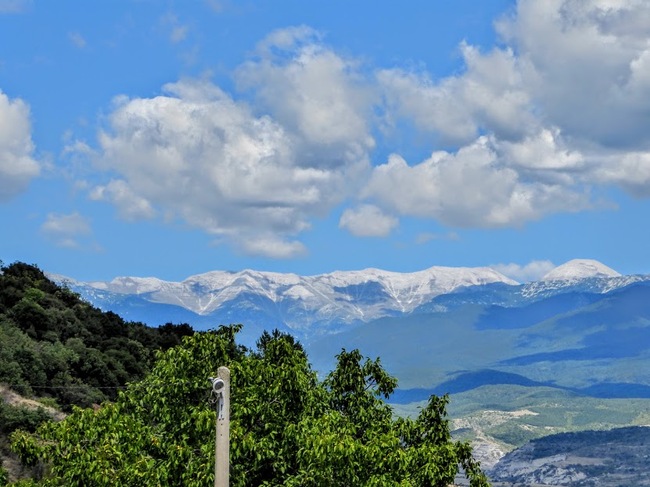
<point>166,139</point>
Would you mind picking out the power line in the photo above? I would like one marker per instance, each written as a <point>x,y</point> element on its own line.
<point>133,385</point>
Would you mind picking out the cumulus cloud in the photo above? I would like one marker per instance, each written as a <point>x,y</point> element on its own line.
<point>66,230</point>
<point>534,126</point>
<point>314,93</point>
<point>197,154</point>
<point>254,177</point>
<point>367,221</point>
<point>543,150</point>
<point>17,164</point>
<point>563,106</point>
<point>130,206</point>
<point>532,271</point>
<point>631,171</point>
<point>585,63</point>
<point>470,188</point>
<point>271,246</point>
<point>488,96</point>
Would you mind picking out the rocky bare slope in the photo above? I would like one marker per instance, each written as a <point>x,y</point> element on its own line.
<point>613,458</point>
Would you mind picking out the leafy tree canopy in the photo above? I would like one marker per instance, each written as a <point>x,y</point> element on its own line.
<point>288,428</point>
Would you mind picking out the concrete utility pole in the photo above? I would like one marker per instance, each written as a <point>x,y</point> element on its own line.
<point>221,387</point>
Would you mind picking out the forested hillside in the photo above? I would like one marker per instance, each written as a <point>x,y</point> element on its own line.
<point>63,351</point>
<point>54,344</point>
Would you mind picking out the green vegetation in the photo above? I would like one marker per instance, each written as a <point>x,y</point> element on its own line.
<point>13,418</point>
<point>55,345</point>
<point>527,413</point>
<point>64,351</point>
<point>287,427</point>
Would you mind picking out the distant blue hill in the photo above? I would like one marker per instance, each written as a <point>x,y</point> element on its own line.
<point>500,317</point>
<point>473,380</point>
<point>465,382</point>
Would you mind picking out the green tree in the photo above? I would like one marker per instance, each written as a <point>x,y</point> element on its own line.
<point>52,341</point>
<point>287,427</point>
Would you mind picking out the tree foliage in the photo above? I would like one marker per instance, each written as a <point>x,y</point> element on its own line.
<point>288,428</point>
<point>54,344</point>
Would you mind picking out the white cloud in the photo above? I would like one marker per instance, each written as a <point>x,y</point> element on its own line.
<point>564,106</point>
<point>367,221</point>
<point>556,112</point>
<point>195,153</point>
<point>543,150</point>
<point>631,171</point>
<point>77,39</point>
<point>488,96</point>
<point>17,165</point>
<point>130,206</point>
<point>271,246</point>
<point>66,230</point>
<point>525,273</point>
<point>314,93</point>
<point>585,64</point>
<point>470,188</point>
<point>253,178</point>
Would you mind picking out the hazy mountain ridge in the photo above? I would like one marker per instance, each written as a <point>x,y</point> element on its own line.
<point>328,303</point>
<point>598,285</point>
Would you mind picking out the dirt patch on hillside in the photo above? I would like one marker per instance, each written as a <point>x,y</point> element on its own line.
<point>15,399</point>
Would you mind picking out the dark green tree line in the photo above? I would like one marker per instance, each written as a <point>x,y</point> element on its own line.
<point>54,344</point>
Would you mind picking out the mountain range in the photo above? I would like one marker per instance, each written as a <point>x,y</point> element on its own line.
<point>568,352</point>
<point>442,327</point>
<point>326,303</point>
<point>304,304</point>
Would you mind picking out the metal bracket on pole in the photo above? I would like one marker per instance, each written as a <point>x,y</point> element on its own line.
<point>221,387</point>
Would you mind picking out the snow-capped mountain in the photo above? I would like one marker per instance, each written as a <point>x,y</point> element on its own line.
<point>579,275</point>
<point>577,269</point>
<point>298,302</point>
<point>326,303</point>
